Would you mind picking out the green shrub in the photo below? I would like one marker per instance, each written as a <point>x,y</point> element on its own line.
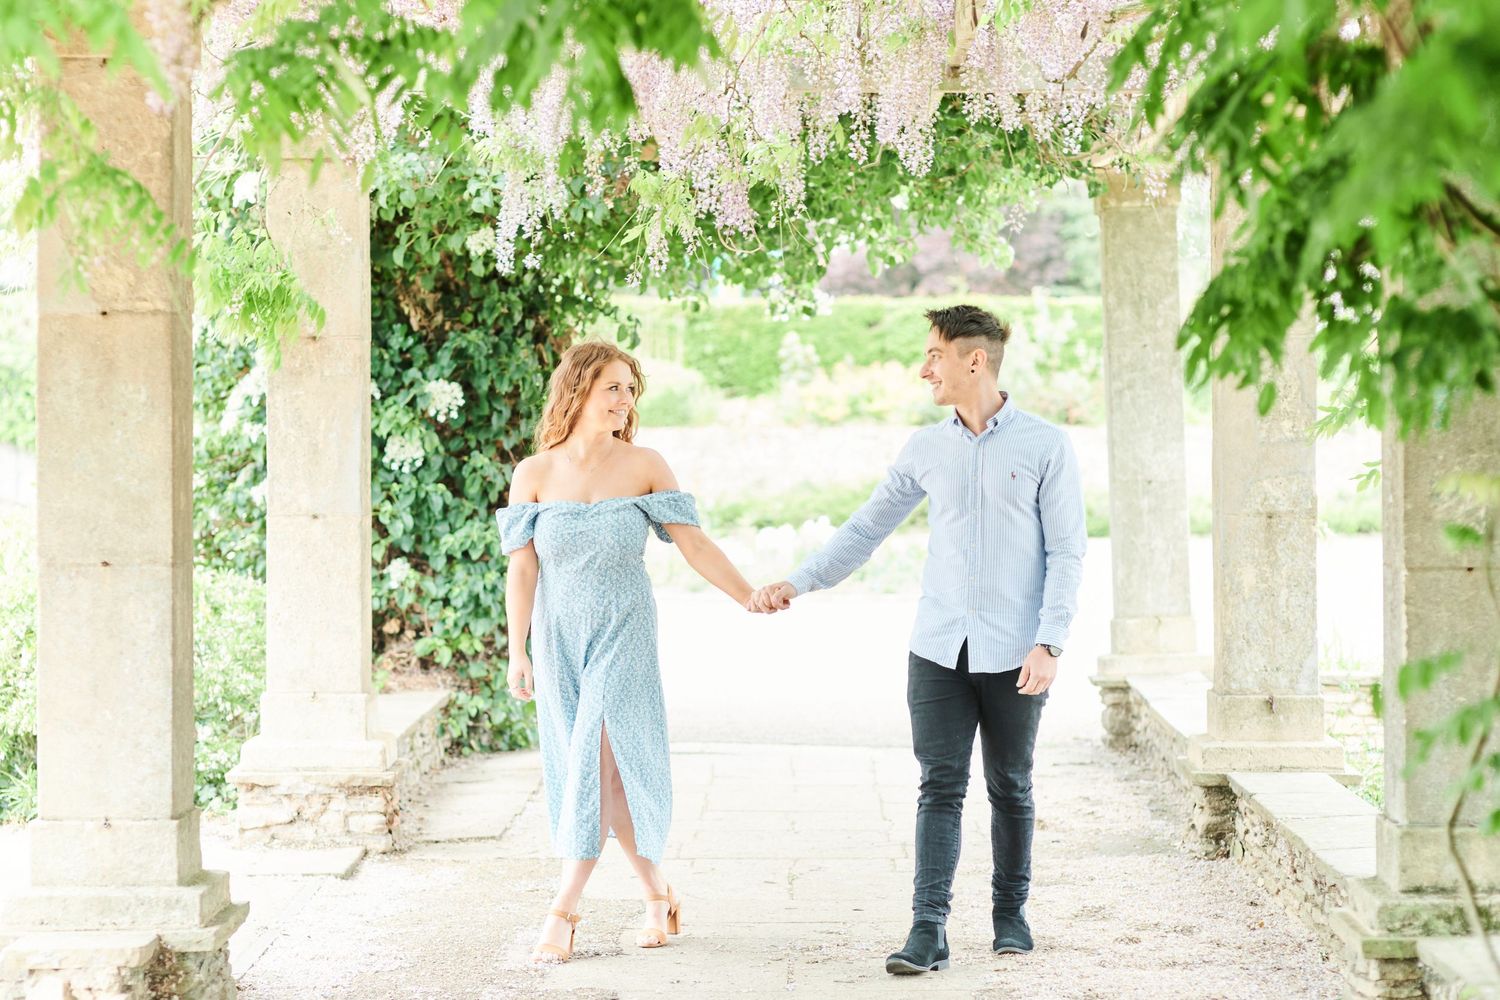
<point>229,455</point>
<point>884,393</point>
<point>17,369</point>
<point>677,397</point>
<point>17,667</point>
<point>229,674</point>
<point>1096,513</point>
<point>1200,515</point>
<point>1356,513</point>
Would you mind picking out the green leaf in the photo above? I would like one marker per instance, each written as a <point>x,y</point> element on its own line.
<point>1462,535</point>
<point>1266,399</point>
<point>1419,675</point>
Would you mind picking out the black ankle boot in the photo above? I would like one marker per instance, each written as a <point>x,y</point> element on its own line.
<point>926,950</point>
<point>1012,933</point>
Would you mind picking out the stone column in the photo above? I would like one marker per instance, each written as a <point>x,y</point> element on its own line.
<point>1152,630</point>
<point>1265,710</point>
<point>1437,601</point>
<point>318,770</point>
<point>116,872</point>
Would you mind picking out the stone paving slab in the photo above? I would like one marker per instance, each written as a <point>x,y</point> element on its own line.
<point>339,862</point>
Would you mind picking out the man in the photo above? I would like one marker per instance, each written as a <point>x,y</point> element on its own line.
<point>998,593</point>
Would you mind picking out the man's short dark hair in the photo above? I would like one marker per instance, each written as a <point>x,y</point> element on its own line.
<point>972,322</point>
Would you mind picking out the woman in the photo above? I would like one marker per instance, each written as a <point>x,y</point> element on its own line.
<point>575,531</point>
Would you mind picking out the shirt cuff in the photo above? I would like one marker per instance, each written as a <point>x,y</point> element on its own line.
<point>1052,635</point>
<point>802,581</point>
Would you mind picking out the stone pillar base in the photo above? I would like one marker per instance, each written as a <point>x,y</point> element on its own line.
<point>192,963</point>
<point>1413,858</point>
<point>111,965</point>
<point>305,806</point>
<point>1226,756</point>
<point>262,754</point>
<point>198,903</point>
<point>1119,666</point>
<point>1118,716</point>
<point>1380,928</point>
<point>1263,717</point>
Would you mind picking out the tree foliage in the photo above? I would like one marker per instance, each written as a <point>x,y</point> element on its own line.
<point>1363,143</point>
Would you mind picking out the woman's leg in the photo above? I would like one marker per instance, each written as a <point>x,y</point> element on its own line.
<point>555,930</point>
<point>612,789</point>
<point>576,872</point>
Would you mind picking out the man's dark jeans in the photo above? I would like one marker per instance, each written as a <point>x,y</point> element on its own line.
<point>946,706</point>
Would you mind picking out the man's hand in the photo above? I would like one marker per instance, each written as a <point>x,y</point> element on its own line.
<point>772,598</point>
<point>1038,671</point>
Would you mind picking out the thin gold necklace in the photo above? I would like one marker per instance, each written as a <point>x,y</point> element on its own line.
<point>609,453</point>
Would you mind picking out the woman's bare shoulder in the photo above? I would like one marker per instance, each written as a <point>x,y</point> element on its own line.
<point>653,466</point>
<point>527,477</point>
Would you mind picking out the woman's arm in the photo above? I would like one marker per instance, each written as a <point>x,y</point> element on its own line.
<point>520,590</point>
<point>520,598</point>
<point>710,561</point>
<point>706,558</point>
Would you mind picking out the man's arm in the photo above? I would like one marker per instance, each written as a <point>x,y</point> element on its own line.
<point>858,538</point>
<point>1064,538</point>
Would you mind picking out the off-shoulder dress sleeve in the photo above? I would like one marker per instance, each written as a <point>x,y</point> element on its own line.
<point>668,507</point>
<point>517,525</point>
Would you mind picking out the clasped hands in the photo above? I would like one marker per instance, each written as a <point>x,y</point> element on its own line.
<point>771,598</point>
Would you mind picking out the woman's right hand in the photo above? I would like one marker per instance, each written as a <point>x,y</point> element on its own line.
<point>518,678</point>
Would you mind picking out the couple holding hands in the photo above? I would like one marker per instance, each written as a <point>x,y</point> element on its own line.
<point>999,590</point>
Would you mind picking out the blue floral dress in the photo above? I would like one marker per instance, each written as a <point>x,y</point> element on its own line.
<point>593,641</point>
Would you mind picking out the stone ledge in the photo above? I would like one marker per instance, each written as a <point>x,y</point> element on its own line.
<point>1178,704</point>
<point>1458,968</point>
<point>400,713</point>
<point>1317,814</point>
<point>1306,838</point>
<point>1309,840</point>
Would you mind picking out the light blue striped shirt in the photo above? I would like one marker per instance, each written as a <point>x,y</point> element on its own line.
<point>1005,553</point>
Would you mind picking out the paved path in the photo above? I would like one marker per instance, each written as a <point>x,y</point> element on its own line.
<point>795,864</point>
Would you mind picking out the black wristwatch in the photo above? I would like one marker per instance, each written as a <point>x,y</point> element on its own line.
<point>1054,651</point>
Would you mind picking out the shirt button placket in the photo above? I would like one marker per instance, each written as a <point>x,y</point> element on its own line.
<point>971,556</point>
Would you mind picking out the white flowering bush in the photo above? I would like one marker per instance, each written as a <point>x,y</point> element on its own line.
<point>403,454</point>
<point>443,399</point>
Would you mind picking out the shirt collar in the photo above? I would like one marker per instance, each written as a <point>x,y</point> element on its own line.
<point>998,420</point>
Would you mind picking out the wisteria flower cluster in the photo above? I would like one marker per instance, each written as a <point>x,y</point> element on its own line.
<point>793,76</point>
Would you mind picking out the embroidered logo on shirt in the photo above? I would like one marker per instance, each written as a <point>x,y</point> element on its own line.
<point>1012,473</point>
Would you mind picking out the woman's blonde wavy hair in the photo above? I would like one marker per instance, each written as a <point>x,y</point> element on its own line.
<point>571,381</point>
